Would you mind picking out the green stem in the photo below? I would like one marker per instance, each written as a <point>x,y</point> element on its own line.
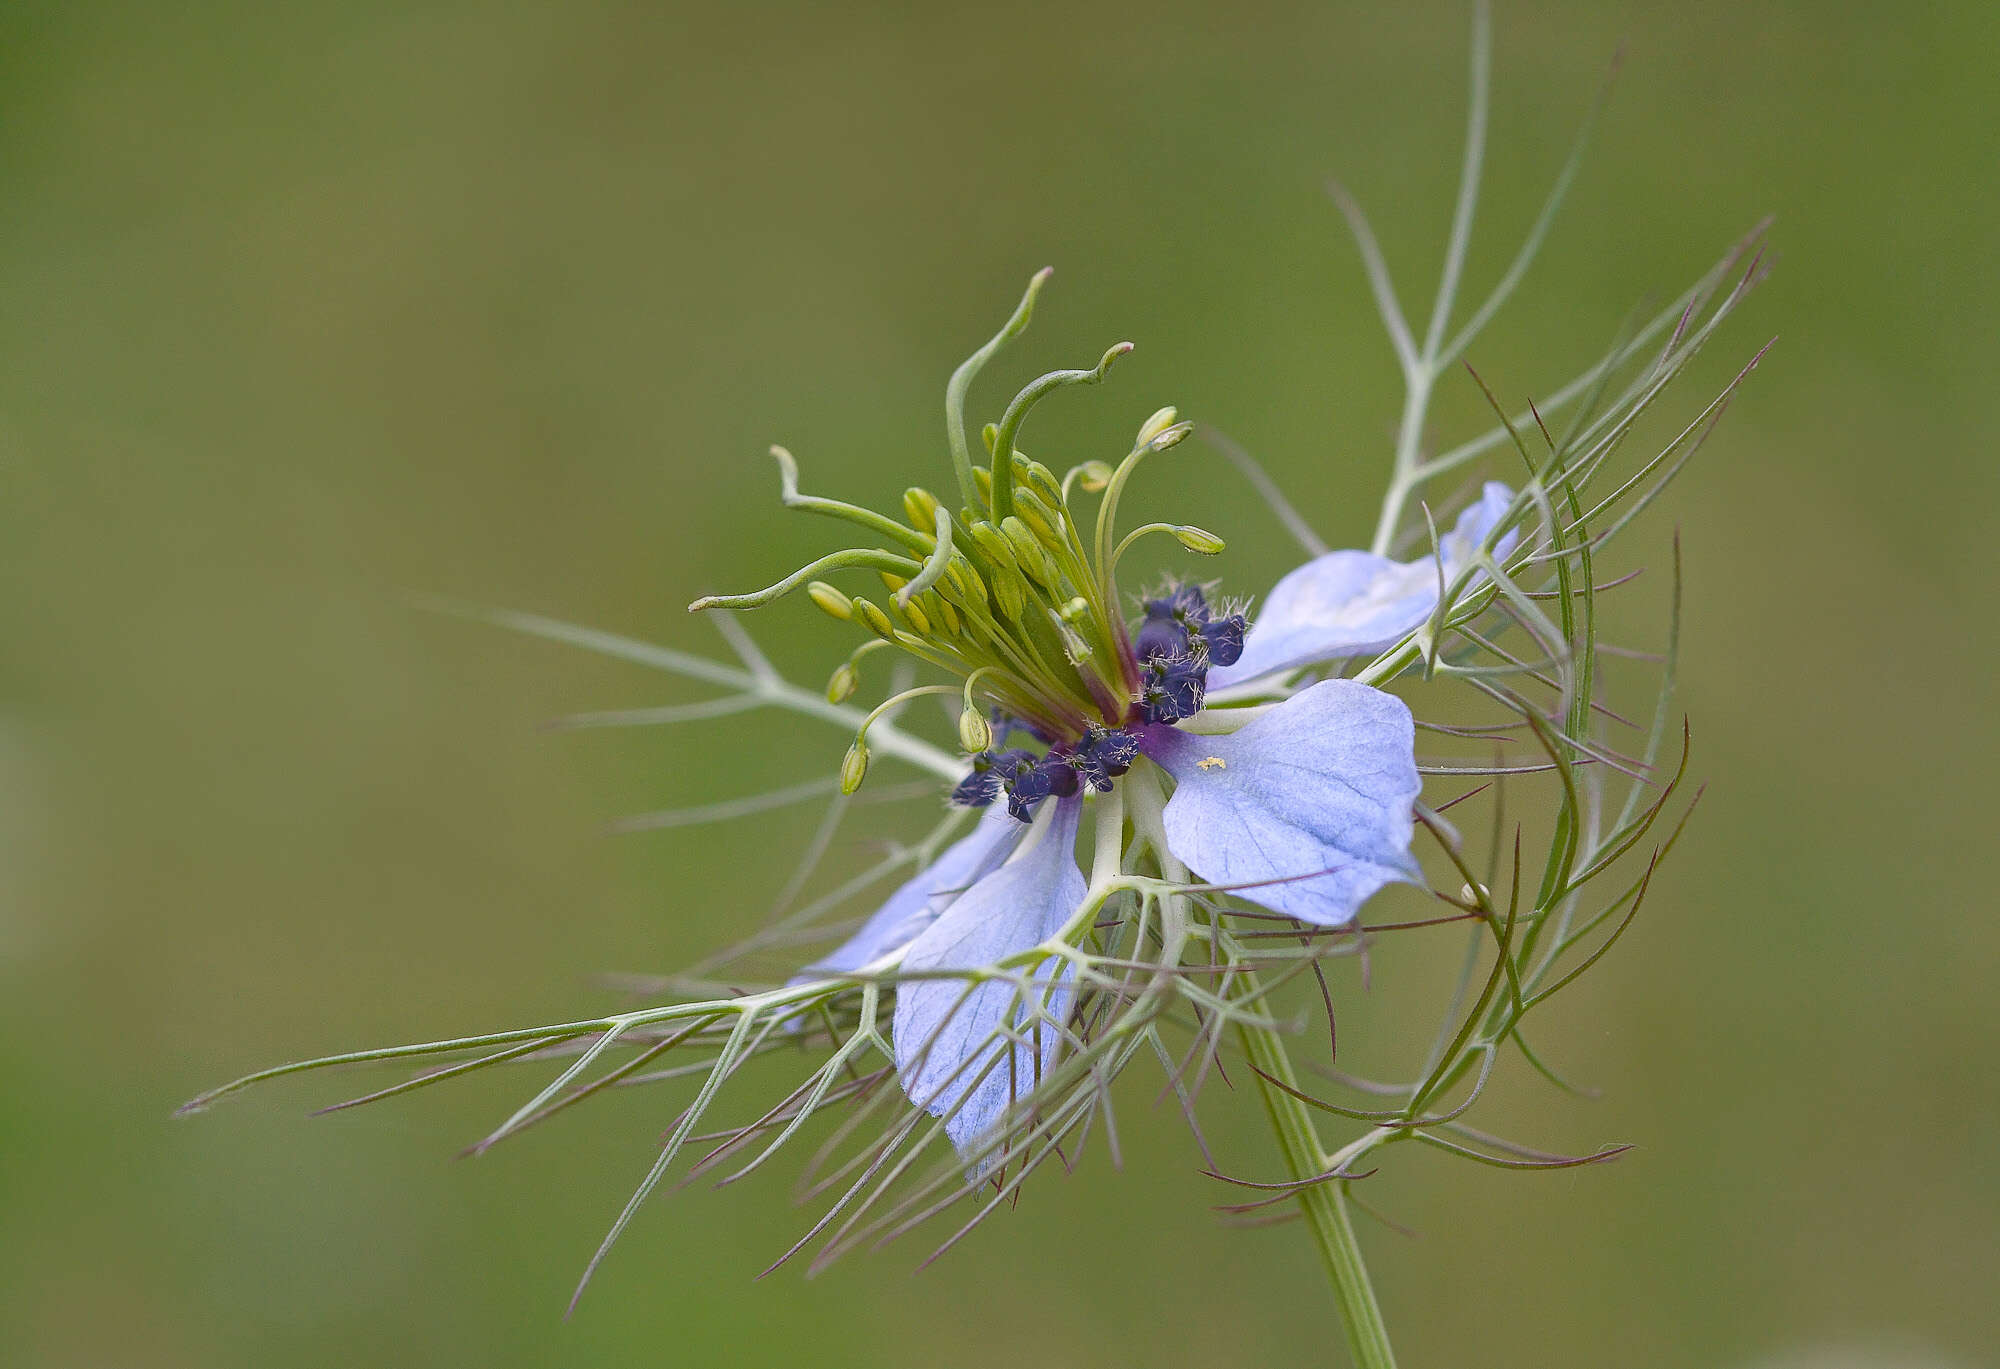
<point>1324,1204</point>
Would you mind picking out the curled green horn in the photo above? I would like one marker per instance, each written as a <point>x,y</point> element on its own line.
<point>1010,422</point>
<point>961,381</point>
<point>788,494</point>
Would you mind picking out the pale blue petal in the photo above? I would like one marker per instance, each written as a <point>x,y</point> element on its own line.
<point>1346,603</point>
<point>945,1037</point>
<point>1316,793</point>
<point>1476,524</point>
<point>929,892</point>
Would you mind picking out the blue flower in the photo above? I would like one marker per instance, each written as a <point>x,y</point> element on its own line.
<point>1305,810</point>
<point>1347,603</point>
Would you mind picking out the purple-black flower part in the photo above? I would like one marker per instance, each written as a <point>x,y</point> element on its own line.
<point>1172,690</point>
<point>1025,778</point>
<point>1161,636</point>
<point>1026,791</point>
<point>981,784</point>
<point>1222,639</point>
<point>1103,755</point>
<point>1034,780</point>
<point>1189,601</point>
<point>1175,622</point>
<point>992,773</point>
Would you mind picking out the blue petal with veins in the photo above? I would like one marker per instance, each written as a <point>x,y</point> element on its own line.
<point>1310,803</point>
<point>1346,603</point>
<point>944,1036</point>
<point>917,904</point>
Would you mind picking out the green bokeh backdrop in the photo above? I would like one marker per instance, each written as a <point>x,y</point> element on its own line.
<point>309,307</point>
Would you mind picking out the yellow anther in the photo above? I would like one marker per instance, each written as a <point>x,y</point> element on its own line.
<point>1010,592</point>
<point>921,506</point>
<point>1038,479</point>
<point>1043,519</point>
<point>1157,424</point>
<point>875,619</point>
<point>1094,475</point>
<point>854,767</point>
<point>993,542</point>
<point>941,612</point>
<point>1028,553</point>
<point>832,601</point>
<point>971,589</point>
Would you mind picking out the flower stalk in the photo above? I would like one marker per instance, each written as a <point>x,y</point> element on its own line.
<point>1322,1200</point>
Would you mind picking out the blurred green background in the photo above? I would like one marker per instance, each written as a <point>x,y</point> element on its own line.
<point>310,307</point>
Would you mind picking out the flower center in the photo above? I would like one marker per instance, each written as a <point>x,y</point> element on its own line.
<point>1013,596</point>
<point>1174,648</point>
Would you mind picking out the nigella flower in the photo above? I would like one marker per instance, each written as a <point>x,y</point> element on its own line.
<point>1350,603</point>
<point>1305,811</point>
<point>1005,984</point>
<point>1303,808</point>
